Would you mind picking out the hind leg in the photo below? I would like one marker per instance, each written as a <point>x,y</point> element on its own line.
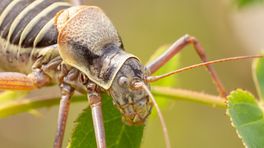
<point>177,47</point>
<point>20,81</point>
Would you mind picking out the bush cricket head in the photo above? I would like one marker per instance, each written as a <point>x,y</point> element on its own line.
<point>134,103</point>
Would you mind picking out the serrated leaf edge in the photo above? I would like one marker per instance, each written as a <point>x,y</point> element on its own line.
<point>227,113</point>
<point>232,123</point>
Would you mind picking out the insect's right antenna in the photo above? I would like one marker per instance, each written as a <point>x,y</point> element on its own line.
<point>156,78</point>
<point>163,124</point>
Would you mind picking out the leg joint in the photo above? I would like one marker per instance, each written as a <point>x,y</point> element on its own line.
<point>190,39</point>
<point>39,78</point>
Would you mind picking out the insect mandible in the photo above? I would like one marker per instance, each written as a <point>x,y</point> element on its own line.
<point>78,48</point>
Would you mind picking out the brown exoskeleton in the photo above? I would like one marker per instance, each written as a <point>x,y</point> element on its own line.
<point>84,54</point>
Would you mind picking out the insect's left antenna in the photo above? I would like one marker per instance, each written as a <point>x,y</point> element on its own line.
<point>162,121</point>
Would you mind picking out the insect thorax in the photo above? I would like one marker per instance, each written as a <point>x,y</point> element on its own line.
<point>89,41</point>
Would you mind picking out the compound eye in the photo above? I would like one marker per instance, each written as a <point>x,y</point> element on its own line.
<point>123,81</point>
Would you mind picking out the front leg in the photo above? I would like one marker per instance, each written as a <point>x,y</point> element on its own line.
<point>95,99</point>
<point>66,93</point>
<point>177,47</point>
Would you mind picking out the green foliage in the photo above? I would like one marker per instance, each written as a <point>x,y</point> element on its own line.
<point>118,135</point>
<point>247,117</point>
<point>242,3</point>
<point>258,75</point>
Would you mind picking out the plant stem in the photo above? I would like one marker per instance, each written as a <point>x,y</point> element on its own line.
<point>193,96</point>
<point>25,105</point>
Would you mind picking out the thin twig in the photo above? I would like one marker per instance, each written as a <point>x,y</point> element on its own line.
<point>181,94</point>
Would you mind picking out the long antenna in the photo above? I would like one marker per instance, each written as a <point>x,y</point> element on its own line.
<point>156,78</point>
<point>162,121</point>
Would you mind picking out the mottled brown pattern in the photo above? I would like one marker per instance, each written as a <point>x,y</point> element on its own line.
<point>89,41</point>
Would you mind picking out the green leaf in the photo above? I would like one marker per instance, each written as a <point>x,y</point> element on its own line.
<point>171,65</point>
<point>246,114</point>
<point>242,3</point>
<point>258,75</point>
<point>118,135</point>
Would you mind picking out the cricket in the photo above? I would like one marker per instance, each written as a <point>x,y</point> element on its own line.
<point>74,46</point>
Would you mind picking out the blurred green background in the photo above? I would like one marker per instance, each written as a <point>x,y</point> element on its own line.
<point>144,26</point>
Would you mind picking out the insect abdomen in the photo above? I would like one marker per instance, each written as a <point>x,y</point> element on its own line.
<point>27,26</point>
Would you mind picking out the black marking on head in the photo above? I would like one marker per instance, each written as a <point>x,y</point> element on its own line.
<point>108,73</point>
<point>135,68</point>
<point>138,72</point>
